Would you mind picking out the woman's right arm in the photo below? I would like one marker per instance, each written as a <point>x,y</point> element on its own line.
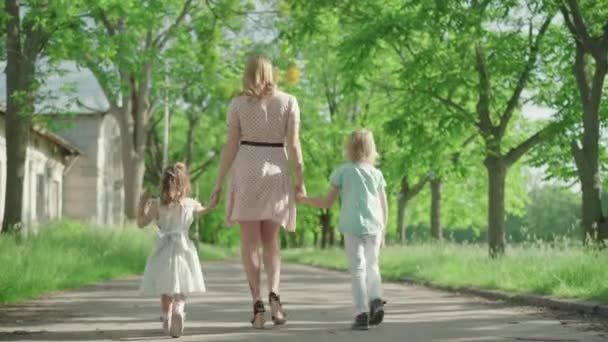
<point>229,150</point>
<point>294,147</point>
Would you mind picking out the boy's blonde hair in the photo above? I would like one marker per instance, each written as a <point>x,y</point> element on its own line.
<point>175,184</point>
<point>258,78</point>
<point>361,147</point>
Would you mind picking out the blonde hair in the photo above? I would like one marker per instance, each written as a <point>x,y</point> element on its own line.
<point>175,184</point>
<point>361,147</point>
<point>258,78</point>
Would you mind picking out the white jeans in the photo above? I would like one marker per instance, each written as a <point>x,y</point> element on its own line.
<point>362,252</point>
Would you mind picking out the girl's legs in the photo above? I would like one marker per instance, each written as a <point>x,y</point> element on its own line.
<point>177,317</point>
<point>166,302</point>
<point>250,240</point>
<point>179,303</point>
<point>271,254</point>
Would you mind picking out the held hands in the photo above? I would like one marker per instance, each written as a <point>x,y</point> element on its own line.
<point>214,199</point>
<point>300,190</point>
<point>145,197</point>
<point>143,209</point>
<point>144,200</point>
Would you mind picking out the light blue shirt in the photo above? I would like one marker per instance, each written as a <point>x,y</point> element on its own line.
<point>360,187</point>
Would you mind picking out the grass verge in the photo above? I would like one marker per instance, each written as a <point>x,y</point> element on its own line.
<point>556,271</point>
<point>69,254</point>
<point>214,253</point>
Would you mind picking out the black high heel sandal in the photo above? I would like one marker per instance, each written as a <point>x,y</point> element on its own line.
<point>258,319</point>
<point>274,299</point>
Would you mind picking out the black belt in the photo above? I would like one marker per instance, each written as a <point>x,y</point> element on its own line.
<point>262,144</point>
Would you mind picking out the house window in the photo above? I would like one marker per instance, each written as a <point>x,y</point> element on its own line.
<point>40,196</point>
<point>54,200</point>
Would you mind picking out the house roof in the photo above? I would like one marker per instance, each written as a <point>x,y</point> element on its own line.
<point>49,136</point>
<point>66,88</point>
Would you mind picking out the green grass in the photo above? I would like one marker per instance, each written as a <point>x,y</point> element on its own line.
<point>562,272</point>
<point>214,253</point>
<point>68,254</point>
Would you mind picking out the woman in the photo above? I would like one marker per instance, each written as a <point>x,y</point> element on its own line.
<point>263,124</point>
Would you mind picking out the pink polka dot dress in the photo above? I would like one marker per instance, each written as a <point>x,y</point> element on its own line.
<point>259,183</point>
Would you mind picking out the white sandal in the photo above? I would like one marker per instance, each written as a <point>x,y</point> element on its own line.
<point>165,319</point>
<point>178,317</point>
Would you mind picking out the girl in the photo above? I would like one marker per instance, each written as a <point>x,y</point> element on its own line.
<point>363,218</point>
<point>173,269</point>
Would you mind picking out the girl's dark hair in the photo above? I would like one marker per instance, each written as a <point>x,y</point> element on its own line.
<point>175,184</point>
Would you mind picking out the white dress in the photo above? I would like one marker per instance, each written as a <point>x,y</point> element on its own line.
<point>174,266</point>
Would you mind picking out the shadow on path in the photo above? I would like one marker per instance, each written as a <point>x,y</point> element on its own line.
<point>317,302</point>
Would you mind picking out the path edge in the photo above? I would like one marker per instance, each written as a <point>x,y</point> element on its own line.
<point>580,306</point>
<point>569,305</point>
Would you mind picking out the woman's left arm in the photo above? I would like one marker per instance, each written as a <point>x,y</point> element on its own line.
<point>294,148</point>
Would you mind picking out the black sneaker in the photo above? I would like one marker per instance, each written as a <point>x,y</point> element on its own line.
<point>361,322</point>
<point>376,311</point>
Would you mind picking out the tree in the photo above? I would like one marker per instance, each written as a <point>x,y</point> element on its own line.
<point>335,110</point>
<point>199,88</point>
<point>30,28</point>
<point>474,58</point>
<point>492,120</point>
<point>590,37</point>
<point>124,49</point>
<point>409,143</point>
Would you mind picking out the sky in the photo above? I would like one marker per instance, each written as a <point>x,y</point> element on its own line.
<point>90,97</point>
<point>86,90</point>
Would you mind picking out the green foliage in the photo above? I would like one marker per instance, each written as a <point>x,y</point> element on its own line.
<point>552,213</point>
<point>404,69</point>
<point>562,270</point>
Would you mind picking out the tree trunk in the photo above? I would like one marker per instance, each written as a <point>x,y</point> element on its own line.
<point>326,229</point>
<point>323,234</point>
<point>134,118</point>
<point>134,168</point>
<point>497,173</point>
<point>190,141</point>
<point>587,156</point>
<point>436,189</point>
<point>20,72</point>
<point>406,193</point>
<point>193,121</point>
<point>590,84</point>
<point>401,219</point>
<point>330,230</point>
<point>293,240</point>
<point>591,205</point>
<point>133,165</point>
